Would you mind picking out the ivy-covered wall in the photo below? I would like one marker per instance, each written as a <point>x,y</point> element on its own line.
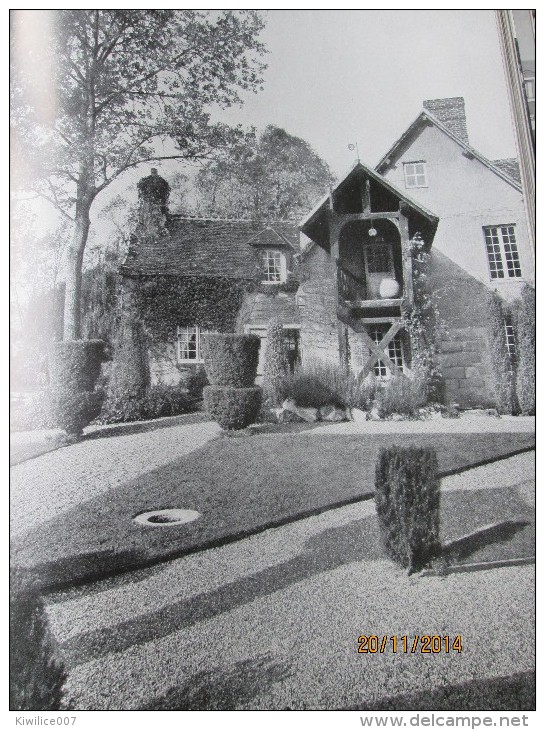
<point>165,303</point>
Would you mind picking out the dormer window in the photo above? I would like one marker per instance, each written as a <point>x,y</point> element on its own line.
<point>415,174</point>
<point>274,267</point>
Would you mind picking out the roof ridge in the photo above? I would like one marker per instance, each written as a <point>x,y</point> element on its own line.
<point>424,113</point>
<point>257,221</point>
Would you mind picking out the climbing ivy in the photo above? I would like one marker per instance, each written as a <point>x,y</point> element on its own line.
<point>504,375</point>
<point>424,324</point>
<point>166,302</point>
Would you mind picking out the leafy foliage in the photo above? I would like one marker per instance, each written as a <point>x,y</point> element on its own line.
<point>424,325</point>
<point>276,362</point>
<point>500,362</point>
<point>122,80</point>
<point>401,395</point>
<point>407,500</point>
<point>319,383</point>
<point>526,346</point>
<point>273,176</point>
<point>233,408</point>
<point>231,360</point>
<point>37,674</point>
<point>155,402</point>
<point>75,365</point>
<point>72,411</point>
<point>306,390</point>
<point>212,303</point>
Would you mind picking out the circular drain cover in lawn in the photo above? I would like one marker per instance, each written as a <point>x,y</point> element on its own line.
<point>166,517</point>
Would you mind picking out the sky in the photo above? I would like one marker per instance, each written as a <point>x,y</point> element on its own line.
<point>340,77</point>
<point>337,77</point>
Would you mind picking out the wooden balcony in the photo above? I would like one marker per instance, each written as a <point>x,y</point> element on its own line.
<point>352,292</point>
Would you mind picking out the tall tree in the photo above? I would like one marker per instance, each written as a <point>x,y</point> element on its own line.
<point>272,176</point>
<point>125,87</point>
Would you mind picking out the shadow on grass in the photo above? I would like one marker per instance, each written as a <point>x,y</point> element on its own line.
<point>463,547</point>
<point>326,551</point>
<point>516,692</point>
<point>225,690</point>
<point>241,487</point>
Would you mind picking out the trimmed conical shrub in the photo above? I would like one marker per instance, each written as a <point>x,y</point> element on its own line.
<point>407,503</point>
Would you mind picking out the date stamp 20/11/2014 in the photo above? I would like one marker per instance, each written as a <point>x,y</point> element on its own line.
<point>419,644</point>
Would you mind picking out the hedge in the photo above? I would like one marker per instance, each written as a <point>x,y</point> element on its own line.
<point>155,402</point>
<point>407,500</point>
<point>73,411</point>
<point>75,364</point>
<point>37,674</point>
<point>232,408</point>
<point>231,360</point>
<point>526,346</point>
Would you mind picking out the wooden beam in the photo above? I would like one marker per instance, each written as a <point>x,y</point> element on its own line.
<point>379,320</point>
<point>347,217</point>
<point>406,260</point>
<point>366,196</point>
<point>342,334</point>
<point>374,303</point>
<point>378,351</point>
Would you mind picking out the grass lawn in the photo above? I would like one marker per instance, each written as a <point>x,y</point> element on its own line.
<point>239,485</point>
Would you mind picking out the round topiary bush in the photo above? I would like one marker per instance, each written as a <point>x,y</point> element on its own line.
<point>73,411</point>
<point>231,360</point>
<point>75,364</point>
<point>232,408</point>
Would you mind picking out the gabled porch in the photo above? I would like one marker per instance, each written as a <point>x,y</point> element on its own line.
<point>366,226</point>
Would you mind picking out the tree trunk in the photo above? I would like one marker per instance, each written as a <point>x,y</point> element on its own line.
<point>74,261</point>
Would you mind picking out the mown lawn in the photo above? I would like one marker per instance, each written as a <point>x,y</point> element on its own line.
<point>239,485</point>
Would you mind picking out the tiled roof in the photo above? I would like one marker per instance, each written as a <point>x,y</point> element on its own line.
<point>206,247</point>
<point>509,167</point>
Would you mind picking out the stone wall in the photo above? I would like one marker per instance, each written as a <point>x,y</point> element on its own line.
<point>318,291</point>
<point>464,358</point>
<point>258,309</point>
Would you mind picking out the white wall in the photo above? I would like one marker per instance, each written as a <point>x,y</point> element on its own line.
<point>466,195</point>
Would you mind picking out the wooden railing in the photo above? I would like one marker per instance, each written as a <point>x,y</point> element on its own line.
<point>349,287</point>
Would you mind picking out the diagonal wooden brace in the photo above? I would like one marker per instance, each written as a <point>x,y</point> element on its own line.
<point>378,352</point>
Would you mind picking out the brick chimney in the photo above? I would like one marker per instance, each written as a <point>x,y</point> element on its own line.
<point>450,112</point>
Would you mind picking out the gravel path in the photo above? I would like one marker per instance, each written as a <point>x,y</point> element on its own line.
<point>465,424</point>
<point>272,622</point>
<point>43,487</point>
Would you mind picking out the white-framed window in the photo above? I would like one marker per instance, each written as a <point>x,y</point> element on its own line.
<point>188,344</point>
<point>502,252</point>
<point>394,350</point>
<point>415,174</point>
<point>274,267</point>
<point>510,340</point>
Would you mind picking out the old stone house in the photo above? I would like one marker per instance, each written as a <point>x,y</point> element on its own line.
<point>342,280</point>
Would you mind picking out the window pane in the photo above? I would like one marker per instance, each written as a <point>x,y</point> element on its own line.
<point>415,174</point>
<point>511,251</point>
<point>272,266</point>
<point>187,343</point>
<point>378,259</point>
<point>394,350</point>
<point>493,250</point>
